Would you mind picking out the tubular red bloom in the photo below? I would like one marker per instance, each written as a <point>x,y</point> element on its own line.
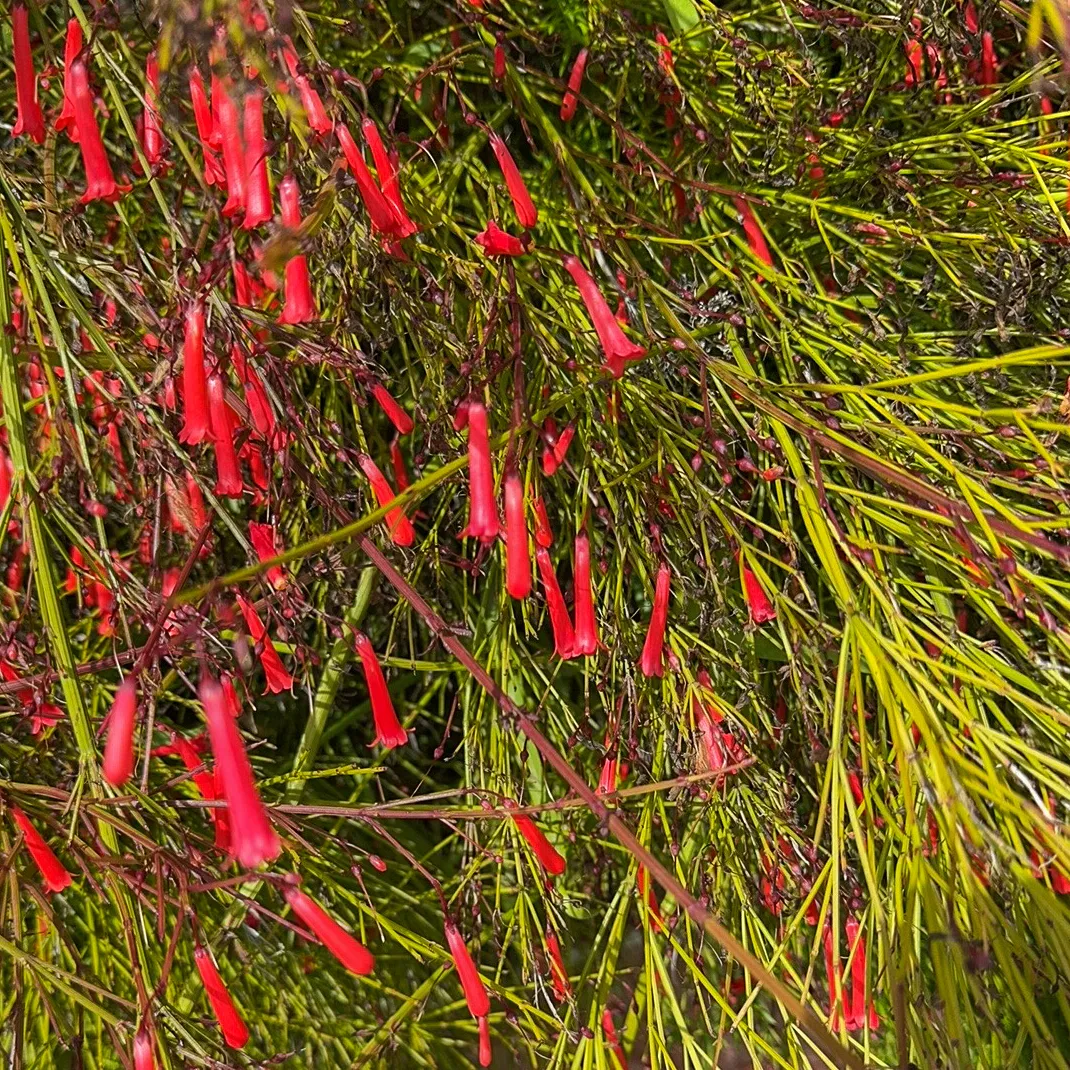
<point>388,730</point>
<point>613,772</point>
<point>260,410</point>
<point>834,972</point>
<point>349,951</point>
<point>523,205</point>
<point>152,141</point>
<point>564,636</point>
<point>646,895</point>
<point>265,540</point>
<point>235,1033</point>
<point>517,553</point>
<point>253,840</point>
<point>379,211</point>
<point>615,344</point>
<point>543,850</point>
<point>315,115</point>
<point>497,242</point>
<point>257,187</point>
<point>613,1040</point>
<point>100,184</point>
<point>401,420</point>
<point>758,604</point>
<point>73,45</point>
<point>214,175</point>
<point>401,529</point>
<point>860,1017</point>
<point>586,628</point>
<point>486,1056</point>
<point>52,870</point>
<point>544,537</point>
<point>196,425</point>
<point>915,61</point>
<point>575,80</point>
<point>650,663</point>
<point>227,127</point>
<point>753,231</point>
<point>144,1057</point>
<point>397,462</point>
<point>228,470</point>
<point>558,973</point>
<point>482,509</point>
<point>989,75</point>
<point>276,678</point>
<point>499,63</point>
<point>554,456</point>
<point>202,777</point>
<point>475,992</point>
<point>970,17</point>
<point>119,748</point>
<point>30,119</point>
<point>300,307</point>
<point>387,171</point>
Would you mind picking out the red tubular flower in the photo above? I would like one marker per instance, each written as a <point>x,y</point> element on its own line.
<point>73,45</point>
<point>214,175</point>
<point>575,80</point>
<point>152,141</point>
<point>265,540</point>
<point>387,171</point>
<point>650,663</point>
<point>235,1033</point>
<point>100,184</point>
<point>401,420</point>
<point>647,897</point>
<point>860,1016</point>
<point>915,61</point>
<point>586,627</point>
<point>315,115</point>
<point>544,537</point>
<point>119,748</point>
<point>253,840</point>
<point>260,410</point>
<point>615,344</point>
<point>758,604</point>
<point>276,678</point>
<point>388,730</point>
<point>499,63</point>
<point>197,423</point>
<point>753,231</point>
<point>144,1058</point>
<point>517,553</point>
<point>349,951</point>
<point>227,127</point>
<point>543,850</point>
<point>613,1040</point>
<point>475,992</point>
<point>397,462</point>
<point>379,211</point>
<point>554,456</point>
<point>486,1056</point>
<point>834,972</point>
<point>497,242</point>
<point>969,15</point>
<point>300,306</point>
<point>482,509</point>
<point>401,530</point>
<point>989,76</point>
<point>558,973</point>
<point>30,119</point>
<point>257,187</point>
<point>564,636</point>
<point>52,870</point>
<point>523,205</point>
<point>228,470</point>
<point>613,772</point>
<point>202,777</point>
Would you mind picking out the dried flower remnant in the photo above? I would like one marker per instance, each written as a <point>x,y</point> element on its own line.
<point>345,947</point>
<point>389,732</point>
<point>52,870</point>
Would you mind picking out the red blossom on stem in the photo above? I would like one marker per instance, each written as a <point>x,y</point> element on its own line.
<point>497,242</point>
<point>586,623</point>
<point>613,1040</point>
<point>525,209</point>
<point>227,128</point>
<point>152,140</point>
<point>517,551</point>
<point>475,992</point>
<point>253,840</point>
<point>543,850</point>
<point>553,456</point>
<point>575,80</point>
<point>144,1056</point>
<point>73,45</point>
<point>276,678</point>
<point>214,175</point>
<point>861,1016</point>
<point>100,184</point>
<point>615,344</point>
<point>389,732</point>
<point>235,1033</point>
<point>349,951</point>
<point>834,973</point>
<point>30,118</point>
<point>564,635</point>
<point>650,662</point>
<point>482,509</point>
<point>386,169</point>
<point>119,748</point>
<point>544,537</point>
<point>315,114</point>
<point>558,974</point>
<point>228,470</point>
<point>202,777</point>
<point>266,544</point>
<point>752,230</point>
<point>758,604</point>
<point>399,525</point>
<point>260,410</point>
<point>258,208</point>
<point>401,420</point>
<point>648,899</point>
<point>197,421</point>
<point>52,870</point>
<point>379,211</point>
<point>300,307</point>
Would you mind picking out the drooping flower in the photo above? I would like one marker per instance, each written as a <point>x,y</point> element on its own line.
<point>553,456</point>
<point>837,991</point>
<point>152,140</point>
<point>586,624</point>
<point>228,470</point>
<point>196,425</point>
<point>30,118</point>
<point>397,462</point>
<point>65,120</point>
<point>52,870</point>
<point>253,840</point>
<point>227,128</point>
<point>386,169</point>
<point>575,80</point>
<point>266,544</point>
<point>498,72</point>
<point>475,992</point>
<point>389,732</point>
<point>235,1033</point>
<point>276,678</point>
<point>100,184</point>
<point>258,208</point>
<point>482,509</point>
<point>300,307</point>
<point>989,75</point>
<point>650,663</point>
<point>543,850</point>
<point>564,636</point>
<point>119,748</point>
<point>315,114</point>
<point>752,230</point>
<point>915,61</point>
<point>517,552</point>
<point>525,209</point>
<point>544,537</point>
<point>349,951</point>
<point>649,900</point>
<point>260,410</point>
<point>486,1055</point>
<point>613,1040</point>
<point>190,753</point>
<point>758,604</point>
<point>398,524</point>
<point>558,974</point>
<point>214,175</point>
<point>497,242</point>
<point>860,1016</point>
<point>144,1056</point>
<point>615,344</point>
<point>379,211</point>
<point>401,420</point>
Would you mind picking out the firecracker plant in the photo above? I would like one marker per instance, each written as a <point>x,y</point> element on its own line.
<point>534,534</point>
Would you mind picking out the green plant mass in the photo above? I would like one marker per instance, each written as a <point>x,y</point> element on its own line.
<point>534,534</point>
